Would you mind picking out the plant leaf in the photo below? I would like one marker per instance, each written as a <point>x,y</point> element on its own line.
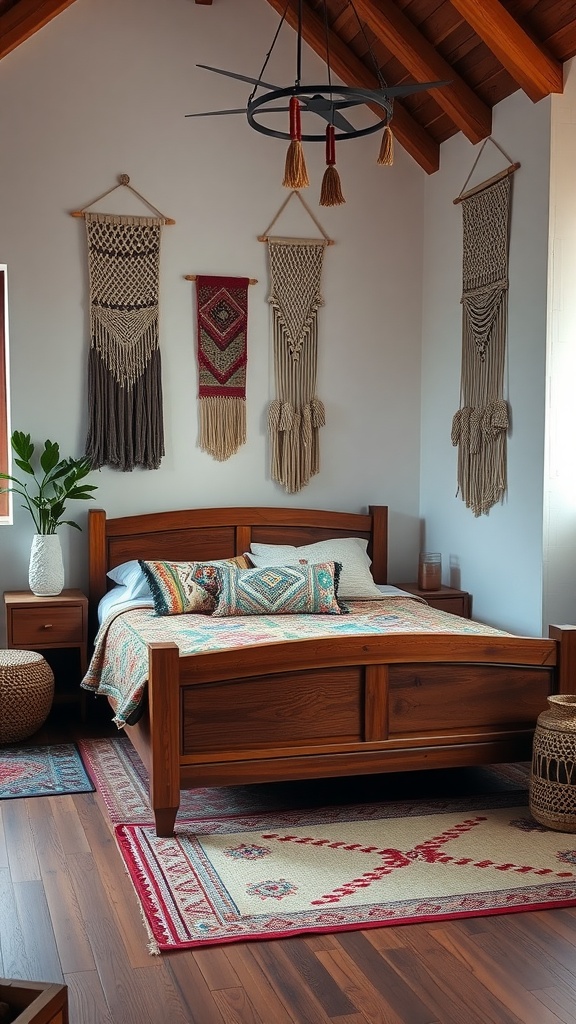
<point>50,457</point>
<point>24,466</point>
<point>22,445</point>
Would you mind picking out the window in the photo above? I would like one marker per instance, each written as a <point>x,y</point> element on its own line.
<point>4,402</point>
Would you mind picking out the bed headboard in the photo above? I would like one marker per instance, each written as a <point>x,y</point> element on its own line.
<point>203,533</point>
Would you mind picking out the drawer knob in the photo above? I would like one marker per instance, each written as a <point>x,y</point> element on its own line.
<point>47,625</point>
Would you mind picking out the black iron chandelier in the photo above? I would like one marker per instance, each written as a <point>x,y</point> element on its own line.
<point>326,101</point>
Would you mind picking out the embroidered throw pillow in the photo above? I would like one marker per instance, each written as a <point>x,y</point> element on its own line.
<point>279,590</point>
<point>356,580</point>
<point>182,587</point>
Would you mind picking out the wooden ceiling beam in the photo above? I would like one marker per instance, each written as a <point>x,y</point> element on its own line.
<point>536,72</point>
<point>350,69</point>
<point>26,18</point>
<point>562,42</point>
<point>397,33</point>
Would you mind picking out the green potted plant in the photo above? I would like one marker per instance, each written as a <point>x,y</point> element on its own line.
<point>49,483</point>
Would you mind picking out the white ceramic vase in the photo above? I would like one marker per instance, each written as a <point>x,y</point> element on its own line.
<point>46,570</point>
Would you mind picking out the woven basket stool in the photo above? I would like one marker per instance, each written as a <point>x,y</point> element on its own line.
<point>26,694</point>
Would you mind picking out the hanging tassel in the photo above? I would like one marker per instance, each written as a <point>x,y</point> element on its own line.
<point>295,173</point>
<point>386,155</point>
<point>331,192</point>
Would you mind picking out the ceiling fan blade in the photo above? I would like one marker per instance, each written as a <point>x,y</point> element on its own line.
<point>237,110</point>
<point>241,78</point>
<point>214,113</point>
<point>324,107</point>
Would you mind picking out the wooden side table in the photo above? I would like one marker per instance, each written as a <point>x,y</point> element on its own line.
<point>47,624</point>
<point>447,599</point>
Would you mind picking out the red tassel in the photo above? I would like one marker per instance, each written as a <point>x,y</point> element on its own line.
<point>295,173</point>
<point>331,191</point>
<point>295,127</point>
<point>330,145</point>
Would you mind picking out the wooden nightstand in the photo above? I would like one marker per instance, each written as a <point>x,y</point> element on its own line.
<point>448,599</point>
<point>50,625</point>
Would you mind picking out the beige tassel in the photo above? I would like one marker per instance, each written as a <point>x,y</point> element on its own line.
<point>386,155</point>
<point>331,191</point>
<point>295,173</point>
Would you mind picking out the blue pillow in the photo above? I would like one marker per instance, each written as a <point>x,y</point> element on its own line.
<point>279,590</point>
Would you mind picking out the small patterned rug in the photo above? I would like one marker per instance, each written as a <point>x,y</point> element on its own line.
<point>52,770</point>
<point>279,874</point>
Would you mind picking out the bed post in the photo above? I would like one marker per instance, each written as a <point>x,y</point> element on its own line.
<point>164,710</point>
<point>566,670</point>
<point>379,542</point>
<point>97,565</point>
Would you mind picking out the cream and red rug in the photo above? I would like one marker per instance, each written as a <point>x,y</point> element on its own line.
<point>240,873</point>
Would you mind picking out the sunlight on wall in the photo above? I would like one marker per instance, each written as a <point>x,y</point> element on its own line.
<point>559,539</point>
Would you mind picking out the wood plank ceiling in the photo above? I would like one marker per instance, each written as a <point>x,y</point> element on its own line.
<point>485,49</point>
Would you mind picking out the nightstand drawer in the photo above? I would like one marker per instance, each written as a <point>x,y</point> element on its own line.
<point>39,627</point>
<point>456,606</point>
<point>447,599</point>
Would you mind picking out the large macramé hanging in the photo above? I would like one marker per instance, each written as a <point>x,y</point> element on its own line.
<point>124,371</point>
<point>296,413</point>
<point>480,426</point>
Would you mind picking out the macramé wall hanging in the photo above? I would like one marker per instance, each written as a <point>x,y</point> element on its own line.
<point>480,426</point>
<point>222,326</point>
<point>124,372</point>
<point>296,413</point>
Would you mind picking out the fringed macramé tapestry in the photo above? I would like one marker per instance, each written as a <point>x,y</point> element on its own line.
<point>222,304</point>
<point>125,389</point>
<point>296,414</point>
<point>480,426</point>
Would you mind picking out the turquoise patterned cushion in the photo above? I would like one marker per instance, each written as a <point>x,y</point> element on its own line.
<point>182,587</point>
<point>279,590</point>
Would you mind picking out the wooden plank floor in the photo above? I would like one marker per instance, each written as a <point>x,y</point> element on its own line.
<point>68,913</point>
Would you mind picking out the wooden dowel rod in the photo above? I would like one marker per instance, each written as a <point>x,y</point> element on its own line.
<point>194,277</point>
<point>165,220</point>
<point>485,184</point>
<point>304,241</point>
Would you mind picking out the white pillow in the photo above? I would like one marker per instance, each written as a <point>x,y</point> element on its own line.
<point>117,598</point>
<point>356,581</point>
<point>130,575</point>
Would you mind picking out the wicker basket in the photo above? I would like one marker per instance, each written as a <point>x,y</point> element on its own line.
<point>26,694</point>
<point>553,774</point>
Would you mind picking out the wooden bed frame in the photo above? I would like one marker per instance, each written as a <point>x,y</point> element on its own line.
<point>318,708</point>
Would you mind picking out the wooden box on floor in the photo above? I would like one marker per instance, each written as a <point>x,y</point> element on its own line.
<point>34,1002</point>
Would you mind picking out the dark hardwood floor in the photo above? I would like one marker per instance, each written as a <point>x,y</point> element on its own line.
<point>68,913</point>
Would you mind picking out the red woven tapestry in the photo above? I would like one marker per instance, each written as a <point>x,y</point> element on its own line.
<point>222,357</point>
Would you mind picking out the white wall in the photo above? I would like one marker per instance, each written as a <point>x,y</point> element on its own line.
<point>104,89</point>
<point>560,478</point>
<point>497,557</point>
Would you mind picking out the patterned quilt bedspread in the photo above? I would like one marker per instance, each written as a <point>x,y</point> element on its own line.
<point>119,666</point>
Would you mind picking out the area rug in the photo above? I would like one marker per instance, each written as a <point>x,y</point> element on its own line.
<point>279,874</point>
<point>122,782</point>
<point>52,770</point>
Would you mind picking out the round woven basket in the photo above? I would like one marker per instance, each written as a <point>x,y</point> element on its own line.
<point>26,694</point>
<point>553,773</point>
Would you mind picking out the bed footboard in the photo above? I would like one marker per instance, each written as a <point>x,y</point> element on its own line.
<point>459,703</point>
